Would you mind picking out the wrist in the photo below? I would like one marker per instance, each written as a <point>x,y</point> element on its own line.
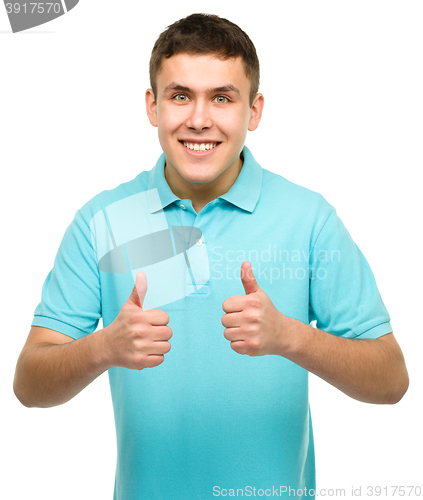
<point>291,335</point>
<point>101,352</point>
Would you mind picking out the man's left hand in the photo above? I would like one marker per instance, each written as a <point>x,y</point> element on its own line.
<point>252,323</point>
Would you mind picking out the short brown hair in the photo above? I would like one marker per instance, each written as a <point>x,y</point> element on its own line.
<point>206,34</point>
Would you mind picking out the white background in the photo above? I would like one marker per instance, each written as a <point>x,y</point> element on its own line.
<point>343,116</point>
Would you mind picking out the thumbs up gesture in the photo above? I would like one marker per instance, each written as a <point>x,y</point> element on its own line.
<point>138,338</point>
<point>252,323</point>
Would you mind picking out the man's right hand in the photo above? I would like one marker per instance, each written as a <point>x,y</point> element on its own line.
<point>53,367</point>
<point>138,338</point>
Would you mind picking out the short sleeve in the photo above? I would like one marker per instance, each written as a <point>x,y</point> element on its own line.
<point>71,298</point>
<point>344,298</point>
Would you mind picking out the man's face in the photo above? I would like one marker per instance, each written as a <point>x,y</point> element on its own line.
<point>202,112</point>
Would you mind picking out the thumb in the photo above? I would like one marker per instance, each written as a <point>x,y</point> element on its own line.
<point>248,279</point>
<point>140,289</point>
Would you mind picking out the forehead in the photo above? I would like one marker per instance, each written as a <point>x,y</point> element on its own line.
<point>202,71</point>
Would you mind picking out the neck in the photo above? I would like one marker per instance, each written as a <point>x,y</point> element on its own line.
<point>201,193</point>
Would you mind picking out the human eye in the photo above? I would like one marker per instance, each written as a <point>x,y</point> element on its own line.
<point>221,99</point>
<point>180,97</point>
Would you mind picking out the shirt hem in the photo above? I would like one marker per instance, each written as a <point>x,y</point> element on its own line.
<point>375,332</point>
<point>58,326</point>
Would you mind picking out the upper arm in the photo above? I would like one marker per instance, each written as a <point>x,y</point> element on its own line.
<point>41,335</point>
<point>343,294</point>
<point>71,293</point>
<point>398,359</point>
<point>389,337</point>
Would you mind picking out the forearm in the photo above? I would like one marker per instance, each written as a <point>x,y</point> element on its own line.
<point>49,374</point>
<point>372,371</point>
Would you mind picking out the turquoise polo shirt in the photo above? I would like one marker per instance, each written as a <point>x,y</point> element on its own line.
<point>209,422</point>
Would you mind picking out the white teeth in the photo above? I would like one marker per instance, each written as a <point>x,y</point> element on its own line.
<point>200,147</point>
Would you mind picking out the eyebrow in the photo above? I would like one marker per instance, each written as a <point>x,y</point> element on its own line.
<point>225,88</point>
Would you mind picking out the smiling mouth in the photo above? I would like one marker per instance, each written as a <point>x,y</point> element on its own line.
<point>200,147</point>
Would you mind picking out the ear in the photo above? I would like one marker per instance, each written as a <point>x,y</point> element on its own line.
<point>151,106</point>
<point>256,112</point>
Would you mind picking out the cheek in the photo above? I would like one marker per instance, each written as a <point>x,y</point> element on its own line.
<point>235,124</point>
<point>168,121</point>
<point>165,125</point>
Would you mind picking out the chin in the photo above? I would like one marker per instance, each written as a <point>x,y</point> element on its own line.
<point>200,179</point>
<point>197,173</point>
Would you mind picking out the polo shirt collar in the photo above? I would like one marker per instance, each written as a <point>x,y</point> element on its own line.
<point>157,181</point>
<point>244,193</point>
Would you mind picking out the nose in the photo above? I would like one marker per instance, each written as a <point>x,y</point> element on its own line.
<point>199,117</point>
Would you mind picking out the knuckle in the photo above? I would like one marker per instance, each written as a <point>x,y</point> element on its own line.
<point>253,301</point>
<point>253,316</point>
<point>134,318</point>
<point>139,361</point>
<point>138,333</point>
<point>253,344</point>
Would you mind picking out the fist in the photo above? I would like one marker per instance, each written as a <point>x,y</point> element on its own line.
<point>252,323</point>
<point>138,338</point>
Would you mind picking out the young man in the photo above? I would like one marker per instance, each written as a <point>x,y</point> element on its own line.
<point>228,259</point>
